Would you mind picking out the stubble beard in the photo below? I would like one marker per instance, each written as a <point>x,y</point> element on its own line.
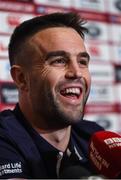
<point>57,116</point>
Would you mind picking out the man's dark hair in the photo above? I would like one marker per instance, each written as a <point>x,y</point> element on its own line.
<point>18,41</point>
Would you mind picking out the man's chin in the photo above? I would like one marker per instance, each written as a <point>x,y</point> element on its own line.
<point>71,116</point>
<point>70,120</point>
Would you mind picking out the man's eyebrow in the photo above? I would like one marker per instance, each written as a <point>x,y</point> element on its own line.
<point>56,53</point>
<point>84,54</point>
<point>65,54</point>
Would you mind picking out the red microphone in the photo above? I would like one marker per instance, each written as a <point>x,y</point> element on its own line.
<point>105,153</point>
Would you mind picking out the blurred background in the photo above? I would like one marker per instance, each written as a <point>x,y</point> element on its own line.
<point>103,43</point>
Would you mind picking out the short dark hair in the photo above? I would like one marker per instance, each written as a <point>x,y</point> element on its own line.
<point>30,27</point>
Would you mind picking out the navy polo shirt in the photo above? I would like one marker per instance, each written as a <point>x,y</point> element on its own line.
<point>25,154</point>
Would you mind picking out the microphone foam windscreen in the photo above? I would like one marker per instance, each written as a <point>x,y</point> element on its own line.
<point>105,153</point>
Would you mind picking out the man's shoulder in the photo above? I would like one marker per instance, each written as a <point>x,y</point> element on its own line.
<point>86,128</point>
<point>9,121</point>
<point>12,125</point>
<point>90,125</point>
<point>6,117</point>
<point>17,145</point>
<point>9,125</point>
<point>15,133</point>
<point>12,128</point>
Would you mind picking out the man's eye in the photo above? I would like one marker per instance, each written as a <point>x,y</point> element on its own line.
<point>60,61</point>
<point>83,62</point>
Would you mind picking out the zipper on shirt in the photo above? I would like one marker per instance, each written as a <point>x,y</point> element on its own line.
<point>77,153</point>
<point>59,159</point>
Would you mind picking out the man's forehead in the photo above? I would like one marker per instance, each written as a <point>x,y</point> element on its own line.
<point>58,31</point>
<point>46,40</point>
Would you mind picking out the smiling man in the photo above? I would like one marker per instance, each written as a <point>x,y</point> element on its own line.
<point>46,133</point>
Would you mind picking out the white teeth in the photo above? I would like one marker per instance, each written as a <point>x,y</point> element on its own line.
<point>73,90</point>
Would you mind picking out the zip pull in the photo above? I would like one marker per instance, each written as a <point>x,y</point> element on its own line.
<point>76,152</point>
<point>59,159</point>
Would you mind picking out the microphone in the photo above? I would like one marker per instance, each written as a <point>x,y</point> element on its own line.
<point>78,172</point>
<point>105,153</point>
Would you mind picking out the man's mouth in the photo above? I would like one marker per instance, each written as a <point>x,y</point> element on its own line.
<point>71,92</point>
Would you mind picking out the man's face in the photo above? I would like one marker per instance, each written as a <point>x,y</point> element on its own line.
<point>59,81</point>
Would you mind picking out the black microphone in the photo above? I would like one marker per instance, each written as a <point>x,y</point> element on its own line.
<point>78,172</point>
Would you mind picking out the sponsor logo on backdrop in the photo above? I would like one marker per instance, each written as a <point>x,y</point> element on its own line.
<point>104,121</point>
<point>110,121</point>
<point>16,6</point>
<point>5,70</point>
<point>118,4</point>
<point>89,5</point>
<point>62,3</point>
<point>97,31</point>
<point>10,20</point>
<point>102,72</point>
<point>102,93</point>
<point>4,40</point>
<point>99,52</point>
<point>94,31</point>
<point>49,9</point>
<point>9,93</point>
<point>118,73</point>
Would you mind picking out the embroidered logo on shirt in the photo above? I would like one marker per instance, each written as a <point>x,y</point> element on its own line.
<point>10,168</point>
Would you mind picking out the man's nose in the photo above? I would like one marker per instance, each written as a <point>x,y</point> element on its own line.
<point>73,71</point>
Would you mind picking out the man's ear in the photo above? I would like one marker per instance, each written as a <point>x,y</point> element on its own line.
<point>19,77</point>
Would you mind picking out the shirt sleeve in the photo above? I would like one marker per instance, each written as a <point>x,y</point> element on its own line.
<point>12,163</point>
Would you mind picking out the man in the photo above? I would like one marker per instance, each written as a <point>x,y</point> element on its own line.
<point>45,132</point>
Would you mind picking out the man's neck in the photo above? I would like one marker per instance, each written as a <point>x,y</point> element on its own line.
<point>59,138</point>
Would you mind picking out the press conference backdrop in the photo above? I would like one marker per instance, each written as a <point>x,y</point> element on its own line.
<point>103,43</point>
